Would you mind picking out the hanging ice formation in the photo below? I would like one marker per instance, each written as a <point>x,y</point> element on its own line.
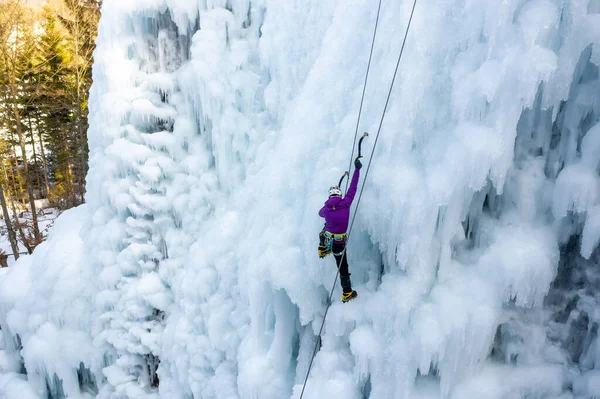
<point>216,128</point>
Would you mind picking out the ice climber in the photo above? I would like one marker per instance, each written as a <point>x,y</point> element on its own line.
<point>333,237</point>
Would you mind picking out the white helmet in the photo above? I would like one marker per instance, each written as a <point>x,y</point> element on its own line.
<point>334,191</point>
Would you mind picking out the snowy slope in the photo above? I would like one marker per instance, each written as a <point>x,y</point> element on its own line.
<point>216,128</point>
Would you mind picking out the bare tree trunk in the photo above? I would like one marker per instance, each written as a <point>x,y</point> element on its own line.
<point>12,203</point>
<point>35,160</point>
<point>12,237</point>
<point>16,218</point>
<point>16,173</point>
<point>22,235</point>
<point>44,164</point>
<point>70,180</point>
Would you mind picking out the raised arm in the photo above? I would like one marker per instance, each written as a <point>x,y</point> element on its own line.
<point>353,187</point>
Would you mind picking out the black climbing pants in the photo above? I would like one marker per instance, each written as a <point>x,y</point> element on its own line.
<point>342,259</point>
<point>342,264</point>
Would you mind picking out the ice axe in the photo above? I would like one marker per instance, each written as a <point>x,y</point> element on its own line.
<point>342,178</point>
<point>346,173</point>
<point>365,134</point>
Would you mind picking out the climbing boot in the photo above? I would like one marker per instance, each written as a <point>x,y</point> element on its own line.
<point>348,296</point>
<point>346,283</point>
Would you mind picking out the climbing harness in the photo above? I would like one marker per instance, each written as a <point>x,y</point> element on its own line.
<point>317,343</point>
<point>326,240</point>
<point>335,237</point>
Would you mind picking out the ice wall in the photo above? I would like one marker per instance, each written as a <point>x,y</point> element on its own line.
<point>216,128</point>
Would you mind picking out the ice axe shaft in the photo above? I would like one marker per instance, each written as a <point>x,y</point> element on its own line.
<point>360,143</point>
<point>342,179</point>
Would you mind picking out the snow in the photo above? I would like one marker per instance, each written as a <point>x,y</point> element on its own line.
<point>509,382</point>
<point>577,189</point>
<point>588,385</point>
<point>12,385</point>
<point>590,147</point>
<point>46,218</point>
<point>216,128</point>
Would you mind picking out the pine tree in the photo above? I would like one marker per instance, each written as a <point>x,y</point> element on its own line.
<point>54,102</point>
<point>81,19</point>
<point>16,47</point>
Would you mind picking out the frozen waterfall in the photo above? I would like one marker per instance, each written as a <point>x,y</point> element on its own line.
<point>216,127</point>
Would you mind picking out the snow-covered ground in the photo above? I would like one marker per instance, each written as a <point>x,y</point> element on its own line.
<point>216,128</point>
<point>46,218</point>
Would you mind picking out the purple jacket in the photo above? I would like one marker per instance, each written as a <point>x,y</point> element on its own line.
<point>337,211</point>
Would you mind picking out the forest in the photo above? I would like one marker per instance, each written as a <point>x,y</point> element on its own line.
<point>46,55</point>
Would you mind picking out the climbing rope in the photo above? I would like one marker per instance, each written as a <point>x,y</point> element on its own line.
<point>362,98</point>
<point>361,188</point>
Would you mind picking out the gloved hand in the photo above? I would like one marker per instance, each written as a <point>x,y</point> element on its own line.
<point>357,163</point>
